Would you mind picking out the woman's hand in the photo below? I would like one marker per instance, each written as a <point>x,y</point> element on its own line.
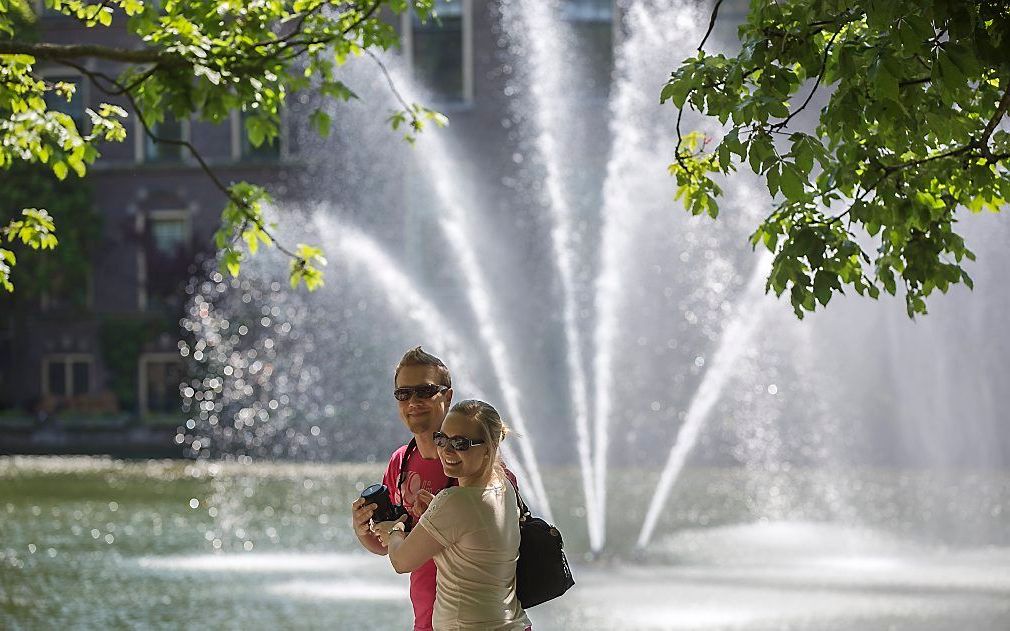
<point>384,530</point>
<point>422,501</point>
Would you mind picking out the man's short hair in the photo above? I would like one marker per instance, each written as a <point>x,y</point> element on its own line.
<point>418,357</point>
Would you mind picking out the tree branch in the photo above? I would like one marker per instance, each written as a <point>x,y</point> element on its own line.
<point>94,77</point>
<point>291,45</point>
<point>392,87</point>
<point>1001,109</point>
<point>820,76</point>
<point>60,52</point>
<point>711,24</point>
<point>979,143</point>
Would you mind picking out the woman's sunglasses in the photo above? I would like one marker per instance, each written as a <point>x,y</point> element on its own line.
<point>458,443</point>
<point>425,391</point>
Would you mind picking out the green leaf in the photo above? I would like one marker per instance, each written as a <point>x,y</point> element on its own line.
<point>231,261</point>
<point>256,129</point>
<point>791,182</point>
<point>320,121</point>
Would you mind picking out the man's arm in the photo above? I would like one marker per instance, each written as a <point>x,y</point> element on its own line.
<point>361,513</point>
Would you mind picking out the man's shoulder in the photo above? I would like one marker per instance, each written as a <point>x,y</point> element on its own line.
<point>396,458</point>
<point>398,454</point>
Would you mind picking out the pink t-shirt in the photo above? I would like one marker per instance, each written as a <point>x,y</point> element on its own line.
<point>427,475</point>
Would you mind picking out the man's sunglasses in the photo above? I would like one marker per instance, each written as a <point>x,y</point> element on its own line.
<point>458,443</point>
<point>425,391</point>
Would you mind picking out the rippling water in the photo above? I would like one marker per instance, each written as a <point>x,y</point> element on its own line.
<point>96,543</point>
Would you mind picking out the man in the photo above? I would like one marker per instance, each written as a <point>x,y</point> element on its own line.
<point>423,391</point>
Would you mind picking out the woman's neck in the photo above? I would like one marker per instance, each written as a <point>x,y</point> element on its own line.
<point>481,480</point>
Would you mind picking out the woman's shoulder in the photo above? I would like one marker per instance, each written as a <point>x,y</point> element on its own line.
<point>450,495</point>
<point>449,503</point>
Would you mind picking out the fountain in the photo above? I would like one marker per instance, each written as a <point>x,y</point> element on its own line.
<point>689,311</point>
<point>713,462</point>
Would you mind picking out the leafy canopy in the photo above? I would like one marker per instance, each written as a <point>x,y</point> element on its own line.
<point>910,136</point>
<point>197,58</point>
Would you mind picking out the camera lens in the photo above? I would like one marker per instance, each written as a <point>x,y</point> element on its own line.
<point>376,489</point>
<point>378,494</point>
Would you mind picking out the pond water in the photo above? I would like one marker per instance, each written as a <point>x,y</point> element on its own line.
<point>97,543</point>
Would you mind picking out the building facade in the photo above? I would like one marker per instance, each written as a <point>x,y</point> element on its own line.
<point>109,358</point>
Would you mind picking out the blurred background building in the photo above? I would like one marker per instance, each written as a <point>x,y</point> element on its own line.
<point>89,358</point>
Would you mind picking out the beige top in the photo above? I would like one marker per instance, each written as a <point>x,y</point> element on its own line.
<point>476,579</point>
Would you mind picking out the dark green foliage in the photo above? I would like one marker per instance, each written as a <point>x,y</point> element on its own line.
<point>907,141</point>
<point>122,339</point>
<point>192,58</point>
<point>64,271</point>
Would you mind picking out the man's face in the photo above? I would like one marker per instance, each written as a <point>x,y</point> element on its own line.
<point>422,416</point>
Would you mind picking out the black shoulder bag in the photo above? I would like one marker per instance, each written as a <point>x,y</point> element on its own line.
<point>542,572</point>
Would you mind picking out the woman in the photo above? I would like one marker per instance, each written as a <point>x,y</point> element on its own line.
<point>471,530</point>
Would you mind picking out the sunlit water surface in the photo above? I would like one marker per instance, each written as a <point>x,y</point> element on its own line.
<point>96,543</point>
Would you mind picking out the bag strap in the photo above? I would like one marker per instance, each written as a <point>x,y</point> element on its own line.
<point>411,447</point>
<point>524,510</point>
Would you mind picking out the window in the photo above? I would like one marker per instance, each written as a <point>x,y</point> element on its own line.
<point>163,262</point>
<point>266,152</point>
<point>171,129</point>
<point>587,10</point>
<point>160,376</point>
<point>67,375</point>
<point>169,231</point>
<point>591,22</point>
<point>75,106</point>
<point>440,50</point>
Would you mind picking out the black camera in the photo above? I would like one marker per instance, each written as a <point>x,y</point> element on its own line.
<point>386,510</point>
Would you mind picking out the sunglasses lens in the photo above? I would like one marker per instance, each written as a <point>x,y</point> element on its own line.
<point>460,444</point>
<point>426,391</point>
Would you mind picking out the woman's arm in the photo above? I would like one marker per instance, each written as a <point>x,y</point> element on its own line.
<point>407,552</point>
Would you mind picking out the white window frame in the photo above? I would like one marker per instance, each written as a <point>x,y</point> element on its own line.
<point>140,142</point>
<point>407,44</point>
<point>143,396</point>
<point>68,360</point>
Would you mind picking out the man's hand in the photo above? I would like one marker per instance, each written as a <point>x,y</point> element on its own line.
<point>361,513</point>
<point>424,498</point>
